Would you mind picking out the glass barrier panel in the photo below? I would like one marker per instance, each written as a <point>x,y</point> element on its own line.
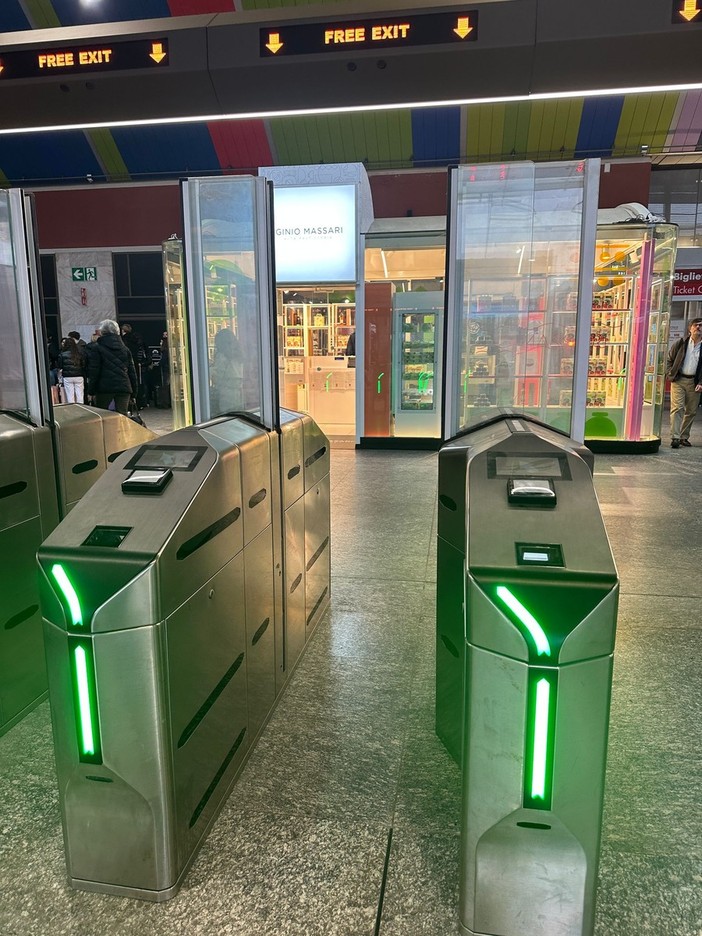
<point>228,298</point>
<point>14,395</point>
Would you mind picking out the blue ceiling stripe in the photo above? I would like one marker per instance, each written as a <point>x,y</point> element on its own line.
<point>40,157</point>
<point>151,151</point>
<point>72,13</point>
<point>12,16</point>
<point>598,126</point>
<point>436,135</point>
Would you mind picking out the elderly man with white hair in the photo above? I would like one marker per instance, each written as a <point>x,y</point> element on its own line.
<point>111,371</point>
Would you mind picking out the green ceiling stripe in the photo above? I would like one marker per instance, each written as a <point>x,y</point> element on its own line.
<point>645,120</point>
<point>521,140</point>
<point>509,128</point>
<point>497,131</point>
<point>564,132</point>
<point>665,120</point>
<point>479,131</point>
<point>378,139</point>
<point>107,154</point>
<point>572,128</point>
<point>535,128</point>
<point>41,14</point>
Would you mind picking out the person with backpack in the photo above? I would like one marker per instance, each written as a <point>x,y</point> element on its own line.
<point>111,371</point>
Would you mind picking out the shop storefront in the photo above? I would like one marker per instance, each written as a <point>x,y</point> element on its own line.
<point>320,216</point>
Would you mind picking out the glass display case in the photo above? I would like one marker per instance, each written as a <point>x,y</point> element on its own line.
<point>518,234</point>
<point>177,328</point>
<point>632,293</point>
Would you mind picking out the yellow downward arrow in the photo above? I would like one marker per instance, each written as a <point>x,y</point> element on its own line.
<point>157,53</point>
<point>690,10</point>
<point>274,43</point>
<point>463,27</point>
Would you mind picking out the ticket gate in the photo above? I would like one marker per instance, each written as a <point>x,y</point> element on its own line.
<point>74,452</point>
<point>526,615</point>
<point>177,596</point>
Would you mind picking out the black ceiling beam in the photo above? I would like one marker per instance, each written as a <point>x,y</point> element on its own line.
<point>215,64</point>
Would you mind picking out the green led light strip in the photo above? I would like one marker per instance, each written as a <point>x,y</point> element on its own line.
<point>87,739</point>
<point>540,745</point>
<point>535,630</point>
<point>69,593</point>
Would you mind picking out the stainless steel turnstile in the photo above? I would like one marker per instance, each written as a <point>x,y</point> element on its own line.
<point>177,596</point>
<point>526,615</point>
<point>32,459</point>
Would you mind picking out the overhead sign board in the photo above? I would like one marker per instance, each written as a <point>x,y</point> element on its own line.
<point>315,234</point>
<point>367,34</point>
<point>83,59</point>
<point>687,11</point>
<point>687,284</point>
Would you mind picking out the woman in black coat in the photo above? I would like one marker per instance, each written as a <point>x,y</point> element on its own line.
<point>111,372</point>
<point>71,361</point>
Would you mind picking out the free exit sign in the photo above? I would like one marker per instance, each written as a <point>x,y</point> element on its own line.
<point>368,34</point>
<point>84,274</point>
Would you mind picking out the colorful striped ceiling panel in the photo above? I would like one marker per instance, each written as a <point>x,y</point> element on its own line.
<point>72,13</point>
<point>598,126</point>
<point>686,128</point>
<point>13,17</point>
<point>645,122</point>
<point>241,144</point>
<point>382,139</point>
<point>41,14</point>
<point>436,136</point>
<point>45,157</point>
<point>167,150</point>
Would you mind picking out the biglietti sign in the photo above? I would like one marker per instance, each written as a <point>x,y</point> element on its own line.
<point>687,284</point>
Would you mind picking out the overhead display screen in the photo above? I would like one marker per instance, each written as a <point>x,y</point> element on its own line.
<point>83,59</point>
<point>315,234</point>
<point>364,34</point>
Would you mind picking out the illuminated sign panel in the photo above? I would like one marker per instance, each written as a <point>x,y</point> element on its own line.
<point>388,33</point>
<point>687,11</point>
<point>315,234</point>
<point>687,284</point>
<point>83,60</point>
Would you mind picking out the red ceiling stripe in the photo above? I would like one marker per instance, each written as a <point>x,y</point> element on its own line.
<point>241,144</point>
<point>188,7</point>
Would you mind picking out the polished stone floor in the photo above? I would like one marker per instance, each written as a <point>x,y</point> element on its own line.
<point>345,820</point>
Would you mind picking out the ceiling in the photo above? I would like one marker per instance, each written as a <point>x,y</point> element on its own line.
<point>666,126</point>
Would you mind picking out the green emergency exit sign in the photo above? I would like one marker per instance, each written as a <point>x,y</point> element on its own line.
<point>84,274</point>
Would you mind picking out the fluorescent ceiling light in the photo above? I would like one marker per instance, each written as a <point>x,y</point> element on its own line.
<point>353,109</point>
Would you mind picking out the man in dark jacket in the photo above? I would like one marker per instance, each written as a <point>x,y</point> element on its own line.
<point>111,372</point>
<point>685,375</point>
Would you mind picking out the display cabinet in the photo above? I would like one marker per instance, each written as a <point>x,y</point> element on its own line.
<point>417,349</point>
<point>177,328</point>
<point>343,325</point>
<point>316,329</point>
<point>629,336</point>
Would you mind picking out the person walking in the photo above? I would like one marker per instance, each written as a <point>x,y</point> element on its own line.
<point>111,371</point>
<point>685,375</point>
<point>72,361</point>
